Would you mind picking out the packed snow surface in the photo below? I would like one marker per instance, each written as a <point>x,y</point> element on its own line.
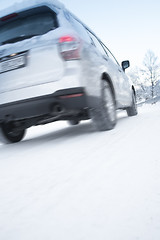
<point>73,183</point>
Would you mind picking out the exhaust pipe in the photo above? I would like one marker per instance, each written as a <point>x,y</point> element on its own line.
<point>57,109</point>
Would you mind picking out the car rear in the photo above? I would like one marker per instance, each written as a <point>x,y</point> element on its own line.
<point>41,71</point>
<point>40,68</point>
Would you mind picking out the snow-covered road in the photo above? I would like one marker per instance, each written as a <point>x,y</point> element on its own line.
<point>73,183</point>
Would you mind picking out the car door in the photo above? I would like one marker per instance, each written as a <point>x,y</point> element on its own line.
<point>112,68</point>
<point>126,88</point>
<point>122,84</point>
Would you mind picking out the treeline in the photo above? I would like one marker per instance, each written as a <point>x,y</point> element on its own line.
<point>147,78</point>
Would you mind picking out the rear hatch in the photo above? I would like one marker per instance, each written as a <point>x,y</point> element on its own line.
<point>29,54</point>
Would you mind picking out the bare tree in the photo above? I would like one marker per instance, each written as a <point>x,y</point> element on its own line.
<point>141,89</point>
<point>151,70</point>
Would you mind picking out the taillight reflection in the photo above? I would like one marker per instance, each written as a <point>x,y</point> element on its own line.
<point>8,17</point>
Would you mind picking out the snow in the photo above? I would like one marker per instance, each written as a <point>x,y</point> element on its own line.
<point>25,4</point>
<point>73,183</point>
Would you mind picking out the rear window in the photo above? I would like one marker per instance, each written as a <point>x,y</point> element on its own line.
<point>17,27</point>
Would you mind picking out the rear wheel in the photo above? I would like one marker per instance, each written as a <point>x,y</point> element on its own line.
<point>8,133</point>
<point>104,117</point>
<point>132,110</point>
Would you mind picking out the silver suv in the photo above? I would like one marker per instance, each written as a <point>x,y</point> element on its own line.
<point>53,67</point>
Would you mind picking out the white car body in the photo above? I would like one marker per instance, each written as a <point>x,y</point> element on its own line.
<point>39,67</point>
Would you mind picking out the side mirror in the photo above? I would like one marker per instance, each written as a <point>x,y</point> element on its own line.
<point>125,64</point>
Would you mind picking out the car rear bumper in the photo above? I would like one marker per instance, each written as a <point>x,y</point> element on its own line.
<point>63,102</point>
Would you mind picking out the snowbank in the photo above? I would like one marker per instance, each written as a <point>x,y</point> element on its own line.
<point>73,183</point>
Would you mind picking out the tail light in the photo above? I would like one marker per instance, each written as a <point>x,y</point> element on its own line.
<point>70,48</point>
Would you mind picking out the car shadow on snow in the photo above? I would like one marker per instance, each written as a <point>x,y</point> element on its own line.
<point>60,134</point>
<point>64,132</point>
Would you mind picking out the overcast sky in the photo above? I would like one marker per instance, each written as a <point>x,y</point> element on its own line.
<point>128,28</point>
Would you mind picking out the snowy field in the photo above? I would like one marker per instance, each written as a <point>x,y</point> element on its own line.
<point>73,183</point>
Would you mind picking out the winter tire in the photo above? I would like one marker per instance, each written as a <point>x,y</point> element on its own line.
<point>104,117</point>
<point>132,110</point>
<point>8,134</point>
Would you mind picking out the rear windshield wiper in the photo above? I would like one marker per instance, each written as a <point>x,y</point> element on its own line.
<point>17,39</point>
